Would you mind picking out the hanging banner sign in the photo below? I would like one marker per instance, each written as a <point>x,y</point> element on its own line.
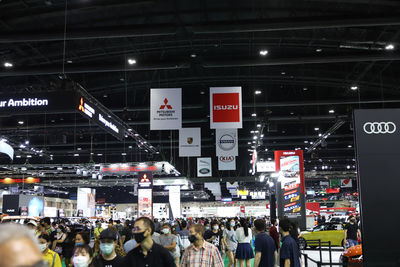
<point>106,121</point>
<point>346,183</point>
<point>225,107</point>
<point>226,163</point>
<point>226,142</point>
<point>291,193</point>
<point>190,142</point>
<point>204,167</point>
<point>175,200</point>
<point>145,194</point>
<point>161,167</point>
<point>37,102</point>
<point>166,109</point>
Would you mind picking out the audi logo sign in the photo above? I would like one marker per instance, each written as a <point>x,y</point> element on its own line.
<point>379,127</point>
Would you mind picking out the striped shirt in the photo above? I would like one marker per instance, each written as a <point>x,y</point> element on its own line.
<point>207,256</point>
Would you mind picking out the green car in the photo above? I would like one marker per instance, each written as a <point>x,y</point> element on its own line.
<point>333,232</point>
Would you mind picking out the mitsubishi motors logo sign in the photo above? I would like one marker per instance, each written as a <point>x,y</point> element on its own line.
<point>166,109</point>
<point>225,107</point>
<point>165,105</point>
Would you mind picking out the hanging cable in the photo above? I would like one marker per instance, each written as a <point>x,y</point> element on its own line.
<point>65,37</point>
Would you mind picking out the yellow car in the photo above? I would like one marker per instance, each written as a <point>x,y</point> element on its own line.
<point>333,232</point>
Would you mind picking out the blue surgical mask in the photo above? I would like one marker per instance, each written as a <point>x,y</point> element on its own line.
<point>107,248</point>
<point>232,224</point>
<point>79,244</point>
<point>207,227</point>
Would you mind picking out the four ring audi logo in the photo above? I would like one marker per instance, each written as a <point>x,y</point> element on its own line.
<point>379,127</point>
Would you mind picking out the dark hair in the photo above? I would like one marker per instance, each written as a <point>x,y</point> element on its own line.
<point>45,237</point>
<point>147,222</point>
<point>167,224</point>
<point>243,223</point>
<point>260,225</point>
<point>183,224</point>
<point>84,247</point>
<point>214,223</point>
<point>285,225</point>
<point>118,221</point>
<point>85,237</point>
<point>128,223</point>
<point>228,224</point>
<point>198,228</point>
<point>273,221</point>
<point>46,220</point>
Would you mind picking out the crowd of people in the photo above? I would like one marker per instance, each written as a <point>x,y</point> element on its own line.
<point>194,242</point>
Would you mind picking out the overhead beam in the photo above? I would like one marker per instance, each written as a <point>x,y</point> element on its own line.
<point>295,24</point>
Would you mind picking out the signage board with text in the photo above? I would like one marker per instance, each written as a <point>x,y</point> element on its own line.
<point>225,107</point>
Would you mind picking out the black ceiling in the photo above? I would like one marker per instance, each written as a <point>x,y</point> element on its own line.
<point>317,50</point>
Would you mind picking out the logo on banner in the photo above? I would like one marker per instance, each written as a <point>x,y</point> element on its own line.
<point>226,159</point>
<point>379,127</point>
<point>190,140</point>
<point>166,109</point>
<point>165,105</point>
<point>203,167</point>
<point>226,107</point>
<point>226,142</point>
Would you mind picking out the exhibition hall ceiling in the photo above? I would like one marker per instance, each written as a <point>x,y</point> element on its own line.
<point>303,66</point>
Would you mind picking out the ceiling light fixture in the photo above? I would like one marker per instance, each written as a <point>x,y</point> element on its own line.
<point>254,115</point>
<point>354,87</point>
<point>257,92</point>
<point>263,52</point>
<point>131,61</point>
<point>21,122</point>
<point>76,155</point>
<point>316,129</point>
<point>389,47</point>
<point>193,55</point>
<point>8,65</point>
<point>331,111</point>
<point>255,137</point>
<point>318,50</point>
<point>283,73</point>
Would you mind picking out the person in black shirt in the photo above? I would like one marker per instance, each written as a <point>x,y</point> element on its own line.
<point>148,253</point>
<point>351,233</point>
<point>214,236</point>
<point>108,257</point>
<point>289,253</point>
<point>126,233</point>
<point>264,246</point>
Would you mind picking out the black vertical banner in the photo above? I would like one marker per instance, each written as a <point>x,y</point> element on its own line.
<point>377,136</point>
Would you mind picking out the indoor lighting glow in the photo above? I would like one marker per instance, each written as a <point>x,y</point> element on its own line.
<point>21,122</point>
<point>254,115</point>
<point>331,111</point>
<point>255,137</point>
<point>76,155</point>
<point>257,92</point>
<point>26,142</point>
<point>258,125</point>
<point>318,50</point>
<point>349,146</point>
<point>316,129</point>
<point>8,64</point>
<point>263,52</point>
<point>354,87</point>
<point>123,154</point>
<point>99,154</point>
<point>131,61</point>
<point>389,47</point>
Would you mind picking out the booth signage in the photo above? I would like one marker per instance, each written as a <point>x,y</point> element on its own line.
<point>145,194</point>
<point>106,121</point>
<point>291,187</point>
<point>37,102</point>
<point>226,142</point>
<point>125,169</point>
<point>29,180</point>
<point>166,109</point>
<point>377,139</point>
<point>225,107</point>
<point>265,166</point>
<point>226,163</point>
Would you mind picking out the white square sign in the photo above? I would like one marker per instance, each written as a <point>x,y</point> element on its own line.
<point>226,142</point>
<point>190,142</point>
<point>166,109</point>
<point>204,167</point>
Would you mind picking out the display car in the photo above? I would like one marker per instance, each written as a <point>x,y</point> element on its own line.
<point>352,256</point>
<point>326,232</point>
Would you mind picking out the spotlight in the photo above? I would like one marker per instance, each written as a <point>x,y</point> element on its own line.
<point>131,61</point>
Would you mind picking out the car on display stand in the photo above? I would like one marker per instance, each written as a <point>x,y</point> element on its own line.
<point>333,232</point>
<point>352,256</point>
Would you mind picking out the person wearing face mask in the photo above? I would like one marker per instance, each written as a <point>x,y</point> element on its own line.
<point>108,257</point>
<point>200,253</point>
<point>82,238</point>
<point>83,256</point>
<point>214,236</point>
<point>231,242</point>
<point>58,243</point>
<point>351,233</point>
<point>49,255</point>
<point>148,253</point>
<point>169,241</point>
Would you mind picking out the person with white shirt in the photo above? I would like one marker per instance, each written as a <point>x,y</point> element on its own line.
<point>244,251</point>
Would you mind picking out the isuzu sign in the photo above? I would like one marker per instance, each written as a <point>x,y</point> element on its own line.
<point>225,107</point>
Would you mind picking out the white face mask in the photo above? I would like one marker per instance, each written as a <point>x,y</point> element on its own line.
<point>165,231</point>
<point>215,227</point>
<point>42,247</point>
<point>81,261</point>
